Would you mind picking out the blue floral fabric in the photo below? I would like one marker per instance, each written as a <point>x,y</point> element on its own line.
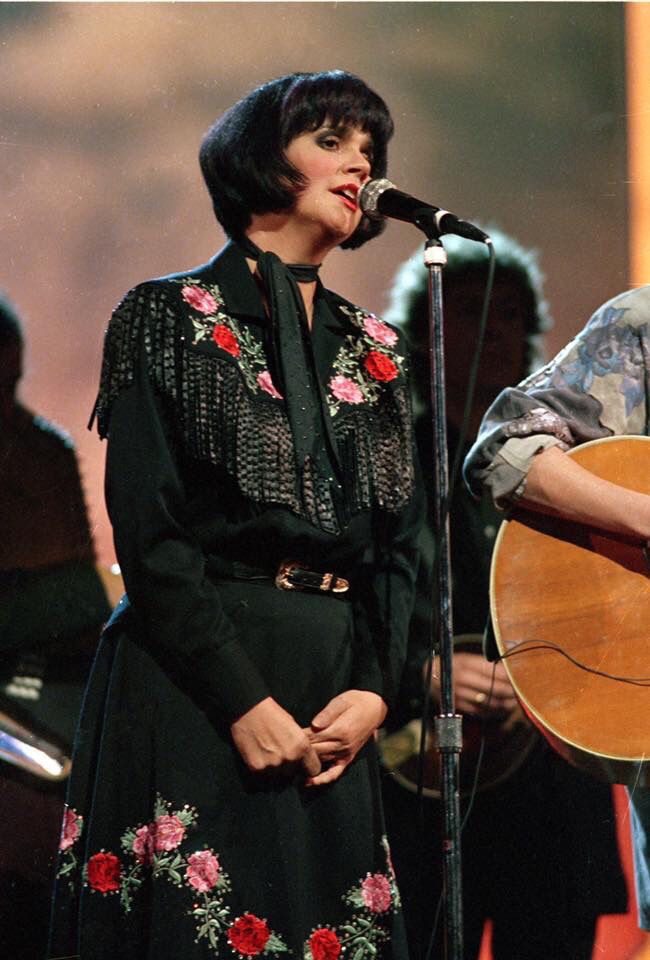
<point>597,386</point>
<point>611,354</point>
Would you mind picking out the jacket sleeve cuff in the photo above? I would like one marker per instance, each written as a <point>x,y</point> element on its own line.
<point>234,684</point>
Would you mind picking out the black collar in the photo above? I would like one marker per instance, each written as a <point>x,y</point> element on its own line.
<point>229,269</point>
<point>240,291</point>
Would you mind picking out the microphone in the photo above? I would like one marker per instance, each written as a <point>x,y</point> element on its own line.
<point>381,198</point>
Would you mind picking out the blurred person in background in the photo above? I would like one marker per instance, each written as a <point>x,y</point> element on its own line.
<point>52,604</point>
<point>539,849</point>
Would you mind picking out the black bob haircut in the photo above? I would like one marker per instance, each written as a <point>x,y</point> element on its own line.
<point>242,155</point>
<point>11,330</point>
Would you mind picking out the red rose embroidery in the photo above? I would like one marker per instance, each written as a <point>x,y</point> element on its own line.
<point>104,871</point>
<point>324,944</point>
<point>225,338</point>
<point>248,935</point>
<point>379,366</point>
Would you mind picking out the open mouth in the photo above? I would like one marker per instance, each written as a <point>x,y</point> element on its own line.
<point>348,194</point>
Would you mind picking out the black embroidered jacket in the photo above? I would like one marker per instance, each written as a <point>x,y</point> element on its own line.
<point>201,471</point>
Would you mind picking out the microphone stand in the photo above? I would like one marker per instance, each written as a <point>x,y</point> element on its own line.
<point>448,724</point>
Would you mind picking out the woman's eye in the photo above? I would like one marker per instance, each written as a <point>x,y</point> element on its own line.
<point>330,143</point>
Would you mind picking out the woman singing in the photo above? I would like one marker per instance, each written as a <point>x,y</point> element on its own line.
<point>261,486</point>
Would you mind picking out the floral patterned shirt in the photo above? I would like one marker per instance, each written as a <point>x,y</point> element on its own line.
<point>597,386</point>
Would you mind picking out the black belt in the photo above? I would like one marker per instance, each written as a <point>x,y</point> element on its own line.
<point>290,575</point>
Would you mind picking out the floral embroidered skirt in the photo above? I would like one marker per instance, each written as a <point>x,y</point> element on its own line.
<point>171,849</point>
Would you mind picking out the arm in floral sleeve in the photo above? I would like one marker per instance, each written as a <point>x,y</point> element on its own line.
<point>595,387</point>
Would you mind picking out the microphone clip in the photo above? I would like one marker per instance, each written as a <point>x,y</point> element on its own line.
<point>426,220</point>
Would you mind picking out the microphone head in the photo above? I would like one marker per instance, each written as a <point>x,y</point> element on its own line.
<point>368,197</point>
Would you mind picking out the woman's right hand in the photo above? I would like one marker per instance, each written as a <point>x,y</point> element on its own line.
<point>268,739</point>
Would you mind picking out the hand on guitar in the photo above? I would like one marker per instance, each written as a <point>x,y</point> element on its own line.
<point>475,693</point>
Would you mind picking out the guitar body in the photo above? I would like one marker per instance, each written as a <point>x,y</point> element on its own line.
<point>588,592</point>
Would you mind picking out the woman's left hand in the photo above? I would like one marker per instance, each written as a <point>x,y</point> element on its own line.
<point>341,729</point>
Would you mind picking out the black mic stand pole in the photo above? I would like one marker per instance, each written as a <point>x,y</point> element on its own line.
<point>448,724</point>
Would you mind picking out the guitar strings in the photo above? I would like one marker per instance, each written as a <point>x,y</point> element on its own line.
<point>524,646</point>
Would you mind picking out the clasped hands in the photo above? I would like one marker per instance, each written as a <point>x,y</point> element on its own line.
<point>269,739</point>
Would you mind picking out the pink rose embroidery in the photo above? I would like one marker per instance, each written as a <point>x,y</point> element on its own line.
<point>265,382</point>
<point>375,893</point>
<point>202,870</point>
<point>200,299</point>
<point>168,832</point>
<point>70,828</point>
<point>379,331</point>
<point>143,845</point>
<point>344,389</point>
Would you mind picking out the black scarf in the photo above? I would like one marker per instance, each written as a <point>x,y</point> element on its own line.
<point>292,342</point>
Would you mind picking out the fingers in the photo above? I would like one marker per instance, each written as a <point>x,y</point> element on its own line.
<point>329,747</point>
<point>311,763</point>
<point>333,772</point>
<point>268,740</point>
<point>479,699</point>
<point>343,733</point>
<point>480,687</point>
<point>346,714</point>
<point>330,713</point>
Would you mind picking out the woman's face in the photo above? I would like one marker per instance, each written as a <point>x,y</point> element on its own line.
<point>335,164</point>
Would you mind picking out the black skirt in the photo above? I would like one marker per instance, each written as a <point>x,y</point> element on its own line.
<point>172,849</point>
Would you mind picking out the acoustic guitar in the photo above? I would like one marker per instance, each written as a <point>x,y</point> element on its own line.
<point>571,612</point>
